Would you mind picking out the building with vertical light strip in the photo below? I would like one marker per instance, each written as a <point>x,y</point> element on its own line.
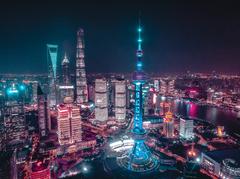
<point>101,100</point>
<point>69,123</point>
<point>42,112</point>
<point>120,100</point>
<point>81,80</point>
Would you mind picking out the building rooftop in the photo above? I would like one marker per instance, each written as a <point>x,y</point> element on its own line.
<point>186,118</point>
<point>220,155</point>
<point>38,166</point>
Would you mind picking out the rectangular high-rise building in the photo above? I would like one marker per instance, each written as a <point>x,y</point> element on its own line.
<point>120,100</point>
<point>14,123</point>
<point>171,87</point>
<point>163,87</point>
<point>69,123</point>
<point>167,87</point>
<point>42,112</point>
<point>2,130</point>
<point>186,128</point>
<point>168,129</point>
<point>101,100</point>
<point>156,85</point>
<point>91,90</point>
<point>34,91</point>
<point>15,127</point>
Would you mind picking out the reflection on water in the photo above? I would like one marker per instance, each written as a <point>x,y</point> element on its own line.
<point>230,120</point>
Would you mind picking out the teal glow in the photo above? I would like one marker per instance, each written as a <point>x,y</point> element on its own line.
<point>139,38</point>
<point>22,87</point>
<point>52,51</point>
<point>11,91</point>
<point>139,64</point>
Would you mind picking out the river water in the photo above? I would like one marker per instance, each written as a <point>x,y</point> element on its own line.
<point>229,119</point>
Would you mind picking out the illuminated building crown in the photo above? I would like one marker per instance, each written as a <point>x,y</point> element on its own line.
<point>168,117</point>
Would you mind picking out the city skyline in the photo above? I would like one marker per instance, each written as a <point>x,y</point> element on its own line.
<point>201,36</point>
<point>128,121</point>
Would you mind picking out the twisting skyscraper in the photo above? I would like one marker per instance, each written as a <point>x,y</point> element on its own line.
<point>81,81</point>
<point>139,159</point>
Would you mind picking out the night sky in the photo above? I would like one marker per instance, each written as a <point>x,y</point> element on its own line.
<point>177,35</point>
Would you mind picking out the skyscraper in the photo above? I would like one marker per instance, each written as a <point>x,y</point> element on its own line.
<point>81,80</point>
<point>52,51</point>
<point>156,85</point>
<point>34,91</point>
<point>69,123</point>
<point>2,130</point>
<point>65,70</point>
<point>186,128</point>
<point>65,88</point>
<point>101,100</point>
<point>42,112</point>
<point>167,87</point>
<point>168,125</point>
<point>120,100</point>
<point>140,158</point>
<point>14,118</point>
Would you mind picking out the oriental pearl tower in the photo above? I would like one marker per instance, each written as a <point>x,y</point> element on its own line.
<point>139,158</point>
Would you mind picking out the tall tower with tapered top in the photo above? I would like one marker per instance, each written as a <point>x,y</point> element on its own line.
<point>52,52</point>
<point>81,80</point>
<point>65,70</point>
<point>65,88</point>
<point>140,158</point>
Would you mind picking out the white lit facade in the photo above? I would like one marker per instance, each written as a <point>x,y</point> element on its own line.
<point>186,128</point>
<point>167,87</point>
<point>168,128</point>
<point>69,124</point>
<point>120,100</point>
<point>101,100</point>
<point>156,85</point>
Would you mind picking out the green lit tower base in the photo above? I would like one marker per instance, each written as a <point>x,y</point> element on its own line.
<point>140,158</point>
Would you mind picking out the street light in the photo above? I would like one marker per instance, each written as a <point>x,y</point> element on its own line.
<point>85,169</point>
<point>198,160</point>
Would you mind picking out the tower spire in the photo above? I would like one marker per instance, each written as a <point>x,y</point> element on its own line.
<point>139,33</point>
<point>65,55</point>
<point>139,52</point>
<point>139,159</point>
<point>65,59</point>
